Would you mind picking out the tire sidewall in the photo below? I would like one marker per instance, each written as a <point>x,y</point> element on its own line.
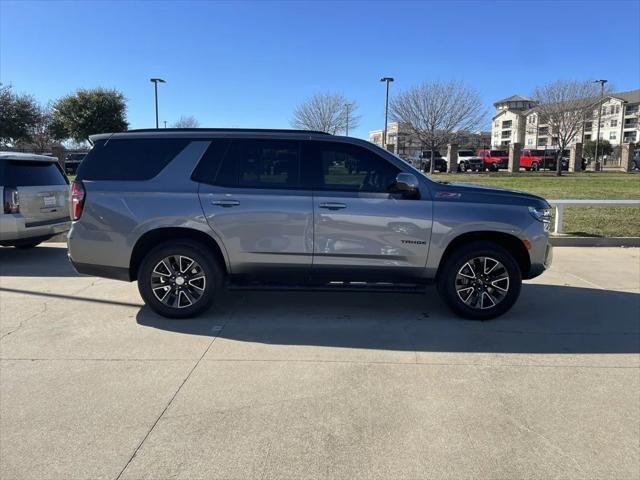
<point>199,254</point>
<point>446,281</point>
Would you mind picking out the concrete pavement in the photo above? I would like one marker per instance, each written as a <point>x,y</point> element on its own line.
<point>319,384</point>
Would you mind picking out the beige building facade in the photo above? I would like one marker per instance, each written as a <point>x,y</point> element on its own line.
<point>516,120</point>
<point>402,142</point>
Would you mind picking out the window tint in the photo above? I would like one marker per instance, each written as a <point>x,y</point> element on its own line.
<point>209,165</point>
<point>344,167</point>
<point>251,163</point>
<point>30,174</point>
<point>266,163</point>
<point>135,159</point>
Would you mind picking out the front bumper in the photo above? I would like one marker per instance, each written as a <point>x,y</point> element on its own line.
<point>15,228</point>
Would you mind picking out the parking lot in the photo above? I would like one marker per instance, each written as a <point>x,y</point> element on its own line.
<point>319,384</point>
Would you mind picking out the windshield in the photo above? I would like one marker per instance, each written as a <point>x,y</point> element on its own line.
<point>536,153</point>
<point>498,153</point>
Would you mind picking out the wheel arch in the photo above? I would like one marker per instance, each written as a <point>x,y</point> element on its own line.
<point>509,242</point>
<point>155,237</point>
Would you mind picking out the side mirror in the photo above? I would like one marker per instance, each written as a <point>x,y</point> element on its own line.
<point>406,183</point>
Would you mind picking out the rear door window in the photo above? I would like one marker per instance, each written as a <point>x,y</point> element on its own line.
<point>251,163</point>
<point>337,166</point>
<point>129,159</point>
<point>20,173</point>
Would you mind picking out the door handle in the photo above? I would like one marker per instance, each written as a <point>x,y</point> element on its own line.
<point>333,205</point>
<point>226,203</point>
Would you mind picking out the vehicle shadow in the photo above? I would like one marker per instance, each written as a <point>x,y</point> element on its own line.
<point>546,319</point>
<point>47,260</point>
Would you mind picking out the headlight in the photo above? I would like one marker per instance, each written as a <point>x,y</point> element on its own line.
<point>541,214</point>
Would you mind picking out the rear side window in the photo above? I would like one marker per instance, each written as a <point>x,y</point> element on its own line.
<point>251,163</point>
<point>30,174</point>
<point>135,159</point>
<point>344,167</point>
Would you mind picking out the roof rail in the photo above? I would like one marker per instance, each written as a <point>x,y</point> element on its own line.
<point>256,130</point>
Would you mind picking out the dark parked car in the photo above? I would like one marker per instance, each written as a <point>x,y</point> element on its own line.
<point>425,161</point>
<point>72,161</point>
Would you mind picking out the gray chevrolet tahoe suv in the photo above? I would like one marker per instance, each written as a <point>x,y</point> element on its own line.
<point>185,212</point>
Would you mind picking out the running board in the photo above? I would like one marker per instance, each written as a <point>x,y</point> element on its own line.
<point>336,287</point>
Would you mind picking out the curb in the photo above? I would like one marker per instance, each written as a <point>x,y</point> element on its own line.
<point>563,241</point>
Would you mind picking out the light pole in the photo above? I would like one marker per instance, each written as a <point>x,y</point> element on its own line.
<point>601,82</point>
<point>155,82</point>
<point>386,111</point>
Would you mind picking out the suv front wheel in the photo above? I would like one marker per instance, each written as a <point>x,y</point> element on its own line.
<point>480,281</point>
<point>179,279</point>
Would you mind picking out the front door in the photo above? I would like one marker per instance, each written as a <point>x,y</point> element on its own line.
<point>362,229</point>
<point>253,201</point>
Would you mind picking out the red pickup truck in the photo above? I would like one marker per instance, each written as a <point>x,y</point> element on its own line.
<point>494,159</point>
<point>534,159</point>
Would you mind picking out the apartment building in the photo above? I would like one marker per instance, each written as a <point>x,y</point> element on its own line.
<point>508,124</point>
<point>516,120</point>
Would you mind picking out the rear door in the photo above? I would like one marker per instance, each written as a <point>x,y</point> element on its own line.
<point>252,198</point>
<point>362,230</point>
<point>43,191</point>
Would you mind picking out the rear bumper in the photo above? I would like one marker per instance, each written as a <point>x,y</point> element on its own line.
<point>16,228</point>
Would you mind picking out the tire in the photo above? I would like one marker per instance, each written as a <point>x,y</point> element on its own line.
<point>25,246</point>
<point>493,167</point>
<point>535,167</point>
<point>175,300</point>
<point>454,277</point>
<point>462,168</point>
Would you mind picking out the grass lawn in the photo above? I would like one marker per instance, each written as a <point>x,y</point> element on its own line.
<point>601,221</point>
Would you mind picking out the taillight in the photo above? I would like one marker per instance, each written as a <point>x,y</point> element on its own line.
<point>77,200</point>
<point>10,200</point>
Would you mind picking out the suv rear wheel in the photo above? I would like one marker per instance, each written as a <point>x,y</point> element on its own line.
<point>480,281</point>
<point>179,279</point>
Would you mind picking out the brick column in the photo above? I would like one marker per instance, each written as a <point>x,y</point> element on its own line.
<point>452,158</point>
<point>575,158</point>
<point>514,157</point>
<point>626,156</point>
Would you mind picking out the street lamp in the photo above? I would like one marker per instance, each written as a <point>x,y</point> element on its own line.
<point>155,82</point>
<point>601,82</point>
<point>346,106</point>
<point>386,111</point>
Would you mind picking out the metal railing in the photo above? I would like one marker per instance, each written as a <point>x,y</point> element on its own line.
<point>560,204</point>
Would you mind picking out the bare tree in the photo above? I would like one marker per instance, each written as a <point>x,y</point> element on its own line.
<point>563,106</point>
<point>187,122</point>
<point>326,112</point>
<point>436,112</point>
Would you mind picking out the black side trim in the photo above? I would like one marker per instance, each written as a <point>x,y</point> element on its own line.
<point>25,241</point>
<point>48,222</point>
<point>116,273</point>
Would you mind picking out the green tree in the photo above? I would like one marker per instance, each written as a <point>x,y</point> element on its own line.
<point>87,112</point>
<point>589,148</point>
<point>18,116</point>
